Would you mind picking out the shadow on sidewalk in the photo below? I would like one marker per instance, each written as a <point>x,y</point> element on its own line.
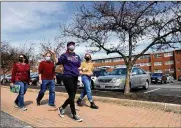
<point>43,102</point>
<point>84,103</point>
<point>28,103</point>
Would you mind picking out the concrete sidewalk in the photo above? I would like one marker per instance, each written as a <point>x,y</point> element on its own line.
<point>109,114</point>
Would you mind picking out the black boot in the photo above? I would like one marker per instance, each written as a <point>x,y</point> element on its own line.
<point>79,102</point>
<point>38,99</point>
<point>93,105</point>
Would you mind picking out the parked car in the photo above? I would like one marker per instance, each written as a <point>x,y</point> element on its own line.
<point>34,79</point>
<point>179,78</point>
<point>116,79</point>
<point>59,79</point>
<point>96,74</point>
<point>158,78</point>
<point>170,78</point>
<point>6,79</point>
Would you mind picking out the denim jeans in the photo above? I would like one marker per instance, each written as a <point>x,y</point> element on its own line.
<point>44,85</point>
<point>20,98</point>
<point>86,80</point>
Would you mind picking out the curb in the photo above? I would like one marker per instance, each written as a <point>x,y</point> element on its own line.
<point>176,108</point>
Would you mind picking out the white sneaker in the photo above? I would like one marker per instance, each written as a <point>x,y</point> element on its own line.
<point>24,109</point>
<point>77,118</point>
<point>61,112</point>
<point>15,105</point>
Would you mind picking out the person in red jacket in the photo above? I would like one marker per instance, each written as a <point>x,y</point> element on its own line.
<point>46,77</point>
<point>21,76</point>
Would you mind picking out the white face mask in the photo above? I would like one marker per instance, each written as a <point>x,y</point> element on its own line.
<point>47,58</point>
<point>71,47</point>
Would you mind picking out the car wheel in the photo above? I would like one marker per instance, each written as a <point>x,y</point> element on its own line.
<point>61,83</point>
<point>161,82</point>
<point>146,86</point>
<point>92,85</point>
<point>55,82</point>
<point>4,81</point>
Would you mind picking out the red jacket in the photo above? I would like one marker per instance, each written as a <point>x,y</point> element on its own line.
<point>20,72</point>
<point>47,70</point>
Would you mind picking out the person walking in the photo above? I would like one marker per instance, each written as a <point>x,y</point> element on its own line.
<point>86,70</point>
<point>21,76</point>
<point>46,78</point>
<point>71,63</point>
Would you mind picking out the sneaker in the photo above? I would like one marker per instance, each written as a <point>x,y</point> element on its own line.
<point>93,105</point>
<point>15,105</point>
<point>61,112</point>
<point>24,109</point>
<point>52,105</point>
<point>79,102</point>
<point>77,118</point>
<point>37,103</point>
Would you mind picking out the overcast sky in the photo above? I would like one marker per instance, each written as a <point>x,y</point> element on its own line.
<point>25,22</point>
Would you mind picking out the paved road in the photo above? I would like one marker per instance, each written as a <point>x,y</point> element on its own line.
<point>9,121</point>
<point>171,89</point>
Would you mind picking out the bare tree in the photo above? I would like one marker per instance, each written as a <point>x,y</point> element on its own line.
<point>58,46</point>
<point>9,55</point>
<point>152,24</point>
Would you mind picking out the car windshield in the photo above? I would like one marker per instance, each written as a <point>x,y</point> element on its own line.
<point>120,71</point>
<point>100,73</point>
<point>157,74</point>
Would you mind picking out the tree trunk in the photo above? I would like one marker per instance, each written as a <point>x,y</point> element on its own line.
<point>127,83</point>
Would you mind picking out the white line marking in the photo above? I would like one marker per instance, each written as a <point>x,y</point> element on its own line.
<point>152,90</point>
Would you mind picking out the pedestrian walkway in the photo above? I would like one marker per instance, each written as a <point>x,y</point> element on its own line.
<point>109,115</point>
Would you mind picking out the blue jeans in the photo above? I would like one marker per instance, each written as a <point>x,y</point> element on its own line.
<point>86,80</point>
<point>44,85</point>
<point>20,98</point>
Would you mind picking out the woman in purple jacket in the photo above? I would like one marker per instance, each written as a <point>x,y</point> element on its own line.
<point>71,63</point>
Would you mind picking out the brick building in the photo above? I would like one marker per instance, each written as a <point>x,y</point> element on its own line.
<point>166,62</point>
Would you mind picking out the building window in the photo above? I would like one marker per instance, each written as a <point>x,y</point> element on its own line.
<point>157,63</point>
<point>142,64</point>
<point>169,62</point>
<point>169,70</point>
<point>157,71</point>
<point>158,55</point>
<point>144,57</point>
<point>108,60</point>
<point>168,54</point>
<point>116,59</point>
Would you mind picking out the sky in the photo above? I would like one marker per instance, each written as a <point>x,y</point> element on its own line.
<point>26,22</point>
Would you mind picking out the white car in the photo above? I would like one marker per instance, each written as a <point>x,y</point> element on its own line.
<point>81,85</point>
<point>170,78</point>
<point>116,79</point>
<point>6,79</point>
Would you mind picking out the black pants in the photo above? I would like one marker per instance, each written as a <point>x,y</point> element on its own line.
<point>70,84</point>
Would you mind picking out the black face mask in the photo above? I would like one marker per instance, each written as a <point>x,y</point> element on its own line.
<point>87,58</point>
<point>21,59</point>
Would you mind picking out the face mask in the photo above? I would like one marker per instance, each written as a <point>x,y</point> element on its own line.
<point>21,59</point>
<point>47,58</point>
<point>87,58</point>
<point>71,47</point>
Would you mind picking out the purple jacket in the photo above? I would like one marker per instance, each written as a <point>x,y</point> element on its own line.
<point>71,62</point>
